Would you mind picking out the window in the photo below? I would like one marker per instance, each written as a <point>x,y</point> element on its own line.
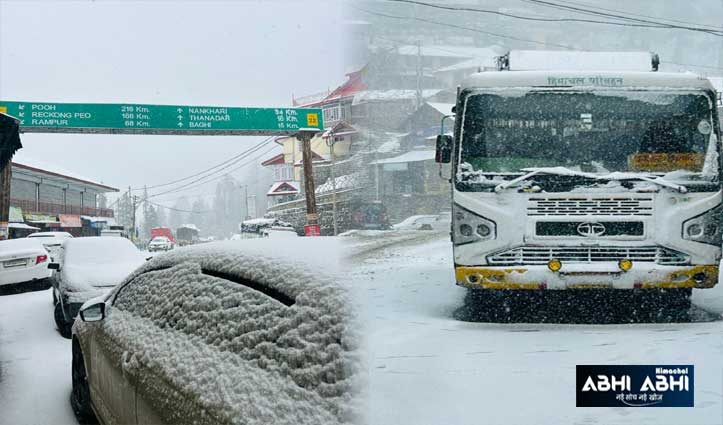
<point>332,113</point>
<point>284,172</point>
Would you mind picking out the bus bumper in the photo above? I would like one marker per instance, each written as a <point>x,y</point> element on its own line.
<point>589,276</point>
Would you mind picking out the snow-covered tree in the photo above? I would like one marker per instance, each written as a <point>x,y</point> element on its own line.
<point>124,211</point>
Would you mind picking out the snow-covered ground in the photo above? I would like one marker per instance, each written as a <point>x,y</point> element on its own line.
<point>34,363</point>
<point>429,364</point>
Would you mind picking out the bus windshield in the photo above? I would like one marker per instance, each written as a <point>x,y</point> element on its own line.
<point>646,132</point>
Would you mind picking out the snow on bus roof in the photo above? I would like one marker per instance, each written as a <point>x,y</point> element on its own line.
<point>587,79</point>
<point>540,60</point>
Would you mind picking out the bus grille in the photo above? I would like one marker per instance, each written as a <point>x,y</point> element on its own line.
<point>540,255</point>
<point>590,206</point>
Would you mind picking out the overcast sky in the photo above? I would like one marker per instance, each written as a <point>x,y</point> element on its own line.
<point>229,53</point>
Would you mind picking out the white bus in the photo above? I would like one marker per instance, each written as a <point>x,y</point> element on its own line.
<point>585,178</point>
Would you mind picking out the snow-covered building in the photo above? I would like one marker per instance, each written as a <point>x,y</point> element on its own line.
<point>339,131</point>
<point>47,197</point>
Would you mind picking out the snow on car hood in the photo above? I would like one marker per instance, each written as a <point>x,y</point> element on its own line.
<point>247,357</point>
<point>82,282</point>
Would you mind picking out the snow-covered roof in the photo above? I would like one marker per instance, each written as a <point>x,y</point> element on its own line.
<point>189,226</point>
<point>381,95</point>
<point>283,188</point>
<point>110,221</point>
<point>257,221</point>
<point>587,79</point>
<point>22,226</point>
<point>411,156</point>
<point>392,142</point>
<point>315,157</point>
<point>34,165</point>
<point>541,60</point>
<point>349,181</point>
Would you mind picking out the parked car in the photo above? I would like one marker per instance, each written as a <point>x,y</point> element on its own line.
<point>89,267</point>
<point>51,240</point>
<point>160,243</point>
<point>220,333</point>
<point>279,232</point>
<point>418,222</point>
<point>23,260</point>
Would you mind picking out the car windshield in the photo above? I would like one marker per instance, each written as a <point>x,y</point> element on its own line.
<point>643,132</point>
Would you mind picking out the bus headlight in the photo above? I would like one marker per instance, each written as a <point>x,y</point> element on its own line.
<point>705,228</point>
<point>469,227</point>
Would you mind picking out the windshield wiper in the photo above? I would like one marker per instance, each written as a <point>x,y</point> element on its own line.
<point>531,172</point>
<point>617,176</point>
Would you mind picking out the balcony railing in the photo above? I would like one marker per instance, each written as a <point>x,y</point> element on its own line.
<point>54,209</point>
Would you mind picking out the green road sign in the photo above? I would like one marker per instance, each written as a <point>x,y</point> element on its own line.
<point>131,118</point>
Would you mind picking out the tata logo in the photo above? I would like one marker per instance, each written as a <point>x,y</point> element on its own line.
<point>590,230</point>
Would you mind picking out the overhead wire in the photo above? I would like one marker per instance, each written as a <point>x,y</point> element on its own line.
<point>178,209</point>
<point>191,185</point>
<point>502,36</point>
<point>659,24</point>
<point>234,158</point>
<point>477,30</point>
<point>218,170</point>
<point>539,19</point>
<point>583,4</point>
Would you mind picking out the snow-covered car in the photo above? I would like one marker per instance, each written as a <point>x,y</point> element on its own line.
<point>23,260</point>
<point>51,240</point>
<point>418,222</point>
<point>220,333</point>
<point>160,243</point>
<point>279,232</point>
<point>89,267</point>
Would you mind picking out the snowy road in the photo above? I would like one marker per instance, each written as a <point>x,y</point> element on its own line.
<point>34,363</point>
<point>426,367</point>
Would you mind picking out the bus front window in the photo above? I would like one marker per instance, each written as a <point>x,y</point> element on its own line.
<point>603,132</point>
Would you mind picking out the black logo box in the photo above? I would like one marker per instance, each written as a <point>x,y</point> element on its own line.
<point>593,378</point>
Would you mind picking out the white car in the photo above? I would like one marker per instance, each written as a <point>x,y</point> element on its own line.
<point>89,267</point>
<point>160,243</point>
<point>51,240</point>
<point>279,232</point>
<point>23,260</point>
<point>418,222</point>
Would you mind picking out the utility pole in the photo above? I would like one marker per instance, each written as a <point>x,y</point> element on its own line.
<point>135,205</point>
<point>312,218</point>
<point>330,142</point>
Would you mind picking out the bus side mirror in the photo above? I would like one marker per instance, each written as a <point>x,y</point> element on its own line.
<point>444,149</point>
